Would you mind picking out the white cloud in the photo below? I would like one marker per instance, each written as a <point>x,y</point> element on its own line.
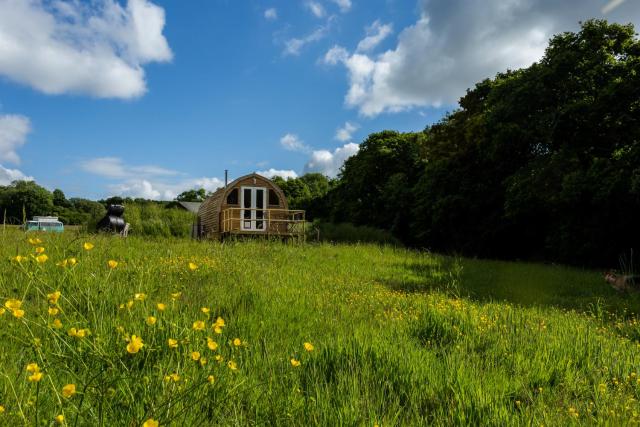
<point>114,167</point>
<point>455,44</point>
<point>271,14</point>
<point>345,133</point>
<point>97,48</point>
<point>9,175</point>
<point>328,163</point>
<point>149,189</point>
<point>286,174</point>
<point>295,45</point>
<point>316,8</point>
<point>13,134</point>
<point>344,5</point>
<point>292,142</point>
<point>376,33</point>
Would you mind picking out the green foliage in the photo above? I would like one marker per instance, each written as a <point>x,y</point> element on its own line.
<point>24,198</point>
<point>192,195</point>
<point>349,233</point>
<point>308,192</point>
<point>152,219</point>
<point>400,337</point>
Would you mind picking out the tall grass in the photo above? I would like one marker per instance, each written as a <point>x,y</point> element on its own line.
<point>399,337</point>
<point>151,219</point>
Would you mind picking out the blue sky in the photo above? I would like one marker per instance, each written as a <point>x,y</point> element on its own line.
<point>151,97</point>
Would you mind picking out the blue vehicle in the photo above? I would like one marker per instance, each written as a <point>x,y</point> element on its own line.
<point>44,223</point>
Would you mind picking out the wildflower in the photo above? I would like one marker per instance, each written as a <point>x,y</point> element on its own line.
<point>57,323</point>
<point>150,423</point>
<point>54,297</point>
<point>211,379</point>
<point>198,325</point>
<point>195,355</point>
<point>112,264</point>
<point>78,333</point>
<point>18,313</point>
<point>42,259</point>
<point>203,361</point>
<point>237,342</point>
<point>295,363</point>
<point>573,412</point>
<point>18,258</point>
<point>39,250</point>
<point>192,266</point>
<point>69,390</point>
<point>161,306</point>
<point>72,261</point>
<point>62,263</point>
<point>59,419</point>
<point>35,241</point>
<point>32,368</point>
<point>13,304</point>
<point>308,346</point>
<point>1,409</point>
<point>219,322</point>
<point>35,377</point>
<point>176,295</point>
<point>205,310</point>
<point>53,311</point>
<point>172,377</point>
<point>135,344</point>
<point>217,329</point>
<point>151,320</point>
<point>219,358</point>
<point>129,304</point>
<point>232,365</point>
<point>139,297</point>
<point>172,343</point>
<point>87,246</point>
<point>2,311</point>
<point>213,346</point>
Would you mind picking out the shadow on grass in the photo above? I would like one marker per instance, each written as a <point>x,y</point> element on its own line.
<point>524,284</point>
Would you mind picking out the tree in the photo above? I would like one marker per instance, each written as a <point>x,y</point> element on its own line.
<point>25,197</point>
<point>194,195</point>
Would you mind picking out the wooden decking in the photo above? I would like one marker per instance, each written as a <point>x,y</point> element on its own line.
<point>268,222</point>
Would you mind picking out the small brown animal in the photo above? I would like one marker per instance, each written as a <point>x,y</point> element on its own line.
<point>622,283</point>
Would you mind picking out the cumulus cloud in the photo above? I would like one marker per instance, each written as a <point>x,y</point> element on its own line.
<point>114,167</point>
<point>9,175</point>
<point>96,48</point>
<point>329,163</point>
<point>150,189</point>
<point>292,142</point>
<point>316,8</point>
<point>282,173</point>
<point>271,14</point>
<point>376,33</point>
<point>13,134</point>
<point>455,44</point>
<point>344,5</point>
<point>345,133</point>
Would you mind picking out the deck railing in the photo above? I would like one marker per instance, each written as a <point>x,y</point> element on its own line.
<point>271,222</point>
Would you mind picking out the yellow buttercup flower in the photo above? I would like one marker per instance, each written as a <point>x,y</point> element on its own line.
<point>18,313</point>
<point>57,324</point>
<point>40,250</point>
<point>172,377</point>
<point>211,378</point>
<point>308,346</point>
<point>78,333</point>
<point>192,266</point>
<point>72,261</point>
<point>232,365</point>
<point>35,377</point>
<point>151,320</point>
<point>198,325</point>
<point>161,306</point>
<point>135,344</point>
<point>220,322</point>
<point>60,419</point>
<point>53,311</point>
<point>18,258</point>
<point>69,390</point>
<point>219,358</point>
<point>2,409</point>
<point>42,258</point>
<point>172,343</point>
<point>205,310</point>
<point>62,263</point>
<point>140,297</point>
<point>112,264</point>
<point>295,363</point>
<point>195,355</point>
<point>32,367</point>
<point>151,423</point>
<point>87,246</point>
<point>213,346</point>
<point>35,241</point>
<point>13,304</point>
<point>54,297</point>
<point>176,295</point>
<point>217,329</point>
<point>203,361</point>
<point>237,342</point>
<point>2,311</point>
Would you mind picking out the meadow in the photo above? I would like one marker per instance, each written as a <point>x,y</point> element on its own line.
<point>98,330</point>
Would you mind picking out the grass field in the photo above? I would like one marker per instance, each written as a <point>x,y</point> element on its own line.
<point>394,337</point>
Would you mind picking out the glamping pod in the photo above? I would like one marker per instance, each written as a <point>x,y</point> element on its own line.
<point>250,205</point>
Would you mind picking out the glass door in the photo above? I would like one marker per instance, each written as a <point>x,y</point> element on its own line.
<point>254,200</point>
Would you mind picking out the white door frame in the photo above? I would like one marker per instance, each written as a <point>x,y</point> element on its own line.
<point>251,223</point>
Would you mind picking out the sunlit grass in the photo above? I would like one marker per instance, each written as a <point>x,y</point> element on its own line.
<point>109,331</point>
